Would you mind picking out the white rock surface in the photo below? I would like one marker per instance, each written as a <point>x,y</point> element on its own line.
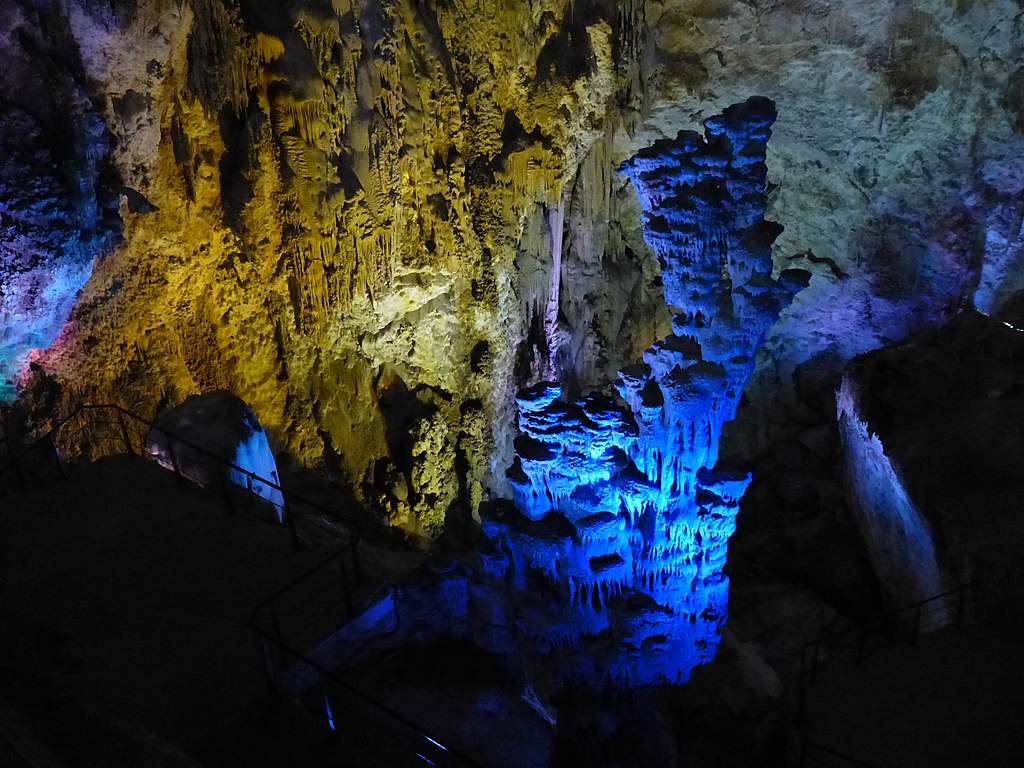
<point>220,425</point>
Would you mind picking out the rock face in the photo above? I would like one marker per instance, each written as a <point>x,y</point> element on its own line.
<point>372,219</point>
<point>57,207</point>
<point>341,193</point>
<point>947,407</point>
<point>221,426</point>
<point>899,539</point>
<point>627,515</point>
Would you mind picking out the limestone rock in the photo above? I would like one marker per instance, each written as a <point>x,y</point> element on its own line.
<point>58,207</point>
<point>319,198</point>
<point>623,510</point>
<point>946,410</point>
<point>223,427</point>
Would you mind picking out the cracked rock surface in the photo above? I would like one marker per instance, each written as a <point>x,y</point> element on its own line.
<point>369,219</point>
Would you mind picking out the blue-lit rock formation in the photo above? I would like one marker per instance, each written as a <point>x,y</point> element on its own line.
<point>618,542</point>
<point>56,211</point>
<point>931,443</point>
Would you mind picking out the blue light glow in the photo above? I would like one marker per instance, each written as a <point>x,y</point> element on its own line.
<point>621,507</point>
<point>56,216</point>
<point>436,743</point>
<point>328,711</point>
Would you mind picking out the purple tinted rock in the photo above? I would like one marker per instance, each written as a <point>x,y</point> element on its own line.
<point>58,209</point>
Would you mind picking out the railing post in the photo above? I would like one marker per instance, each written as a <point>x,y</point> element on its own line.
<point>174,457</point>
<point>802,692</point>
<point>268,665</point>
<point>19,476</point>
<point>357,574</point>
<point>249,501</point>
<point>226,490</point>
<point>328,713</point>
<point>124,433</point>
<point>345,588</point>
<point>862,645</point>
<point>960,607</point>
<point>276,625</point>
<point>292,531</point>
<point>15,463</point>
<point>56,454</point>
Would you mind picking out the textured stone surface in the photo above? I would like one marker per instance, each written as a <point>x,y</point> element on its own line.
<point>57,207</point>
<point>623,511</point>
<point>899,539</point>
<point>346,212</point>
<point>341,196</point>
<point>222,427</point>
<point>947,408</point>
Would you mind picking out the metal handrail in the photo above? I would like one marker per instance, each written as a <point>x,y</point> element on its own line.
<point>449,755</point>
<point>832,753</point>
<point>273,635</point>
<point>288,496</point>
<point>891,617</point>
<point>809,670</point>
<point>265,621</point>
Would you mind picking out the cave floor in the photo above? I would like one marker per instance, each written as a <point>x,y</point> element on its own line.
<point>125,599</point>
<point>460,694</point>
<point>954,699</point>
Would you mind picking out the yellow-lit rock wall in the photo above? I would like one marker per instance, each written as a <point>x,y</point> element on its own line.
<point>361,206</point>
<point>342,191</point>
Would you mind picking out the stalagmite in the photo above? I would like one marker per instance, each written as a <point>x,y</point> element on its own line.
<point>652,465</point>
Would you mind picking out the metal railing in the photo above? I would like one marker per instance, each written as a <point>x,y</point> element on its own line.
<point>814,755</point>
<point>857,643</point>
<point>294,619</point>
<point>290,625</point>
<point>95,431</point>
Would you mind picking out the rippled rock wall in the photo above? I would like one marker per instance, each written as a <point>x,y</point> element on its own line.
<point>375,221</point>
<point>644,510</point>
<point>58,199</point>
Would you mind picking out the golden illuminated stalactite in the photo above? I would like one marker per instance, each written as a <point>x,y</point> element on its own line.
<point>268,48</point>
<point>378,208</point>
<point>320,35</point>
<point>309,118</point>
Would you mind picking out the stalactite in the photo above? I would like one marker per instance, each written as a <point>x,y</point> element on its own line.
<point>654,459</point>
<point>556,222</point>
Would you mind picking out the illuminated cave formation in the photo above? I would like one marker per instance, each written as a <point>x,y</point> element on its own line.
<point>375,222</point>
<point>645,509</point>
<point>898,538</point>
<point>218,424</point>
<point>58,210</point>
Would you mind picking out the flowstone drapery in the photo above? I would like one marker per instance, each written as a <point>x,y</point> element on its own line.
<point>618,542</point>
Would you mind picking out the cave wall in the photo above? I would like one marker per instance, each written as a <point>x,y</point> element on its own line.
<point>335,197</point>
<point>57,208</point>
<point>895,151</point>
<point>373,221</point>
<point>899,539</point>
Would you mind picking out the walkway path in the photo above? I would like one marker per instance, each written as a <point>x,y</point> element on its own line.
<point>124,599</point>
<point>955,700</point>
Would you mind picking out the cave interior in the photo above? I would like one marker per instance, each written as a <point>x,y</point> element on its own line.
<point>482,383</point>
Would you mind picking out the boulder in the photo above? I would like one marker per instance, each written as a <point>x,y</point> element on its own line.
<point>216,435</point>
